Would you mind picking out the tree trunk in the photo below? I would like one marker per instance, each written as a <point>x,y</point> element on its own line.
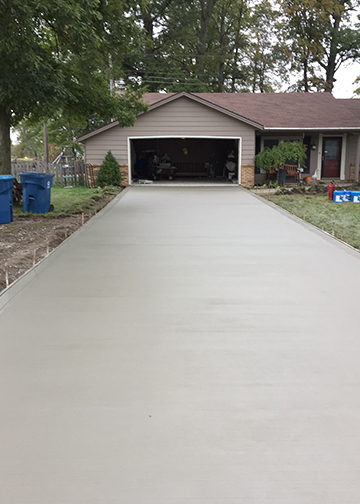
<point>306,83</point>
<point>330,71</point>
<point>221,77</point>
<point>221,66</point>
<point>207,8</point>
<point>46,147</point>
<point>5,143</point>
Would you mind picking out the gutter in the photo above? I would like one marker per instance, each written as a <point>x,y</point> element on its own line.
<point>284,128</point>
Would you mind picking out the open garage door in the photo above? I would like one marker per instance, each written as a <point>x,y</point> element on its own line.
<point>185,158</point>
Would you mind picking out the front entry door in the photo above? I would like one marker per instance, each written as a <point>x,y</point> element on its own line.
<point>331,157</point>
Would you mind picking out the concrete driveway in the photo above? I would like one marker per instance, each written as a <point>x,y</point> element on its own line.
<point>188,345</point>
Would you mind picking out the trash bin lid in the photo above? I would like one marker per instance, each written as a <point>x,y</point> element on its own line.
<point>44,180</point>
<point>36,175</point>
<point>6,183</point>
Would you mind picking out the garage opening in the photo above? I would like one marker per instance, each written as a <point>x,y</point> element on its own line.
<point>185,159</point>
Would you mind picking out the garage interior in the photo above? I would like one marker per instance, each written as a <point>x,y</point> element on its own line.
<point>183,159</point>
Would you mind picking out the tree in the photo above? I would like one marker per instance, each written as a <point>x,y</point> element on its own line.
<point>266,54</point>
<point>30,140</point>
<point>357,90</point>
<point>188,45</point>
<point>226,45</point>
<point>322,38</point>
<point>109,173</point>
<point>54,56</point>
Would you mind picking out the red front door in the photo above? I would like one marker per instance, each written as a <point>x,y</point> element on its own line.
<point>331,157</point>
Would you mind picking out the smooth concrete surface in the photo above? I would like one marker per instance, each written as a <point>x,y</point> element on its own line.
<point>189,345</point>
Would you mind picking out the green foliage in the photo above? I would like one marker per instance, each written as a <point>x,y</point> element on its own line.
<point>65,125</point>
<point>322,38</point>
<point>30,141</point>
<point>109,174</point>
<point>266,55</point>
<point>55,64</point>
<point>280,154</point>
<point>74,201</point>
<point>206,45</point>
<point>273,184</point>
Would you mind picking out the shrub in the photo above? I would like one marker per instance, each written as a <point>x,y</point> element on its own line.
<point>281,154</point>
<point>109,174</point>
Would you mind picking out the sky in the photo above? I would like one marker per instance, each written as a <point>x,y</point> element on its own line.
<point>345,76</point>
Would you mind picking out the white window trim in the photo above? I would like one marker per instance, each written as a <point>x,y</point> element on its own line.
<point>186,136</point>
<point>280,138</point>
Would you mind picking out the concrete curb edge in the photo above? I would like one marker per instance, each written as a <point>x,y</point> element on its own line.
<point>311,227</point>
<point>17,286</point>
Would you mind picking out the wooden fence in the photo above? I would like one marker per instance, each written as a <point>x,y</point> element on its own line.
<point>65,176</point>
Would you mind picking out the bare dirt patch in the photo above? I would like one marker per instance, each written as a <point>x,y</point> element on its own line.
<point>27,240</point>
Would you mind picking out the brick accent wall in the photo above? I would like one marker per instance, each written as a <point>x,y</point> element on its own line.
<point>247,175</point>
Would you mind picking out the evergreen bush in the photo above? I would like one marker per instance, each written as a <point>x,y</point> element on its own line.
<point>109,174</point>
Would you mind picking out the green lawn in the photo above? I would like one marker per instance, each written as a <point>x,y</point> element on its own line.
<point>340,219</point>
<point>75,200</point>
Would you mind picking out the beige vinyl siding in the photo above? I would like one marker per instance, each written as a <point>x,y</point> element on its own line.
<point>182,117</point>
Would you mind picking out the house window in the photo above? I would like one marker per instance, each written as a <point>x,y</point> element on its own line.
<point>270,142</point>
<point>263,142</point>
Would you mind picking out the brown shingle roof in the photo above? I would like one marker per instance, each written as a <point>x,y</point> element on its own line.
<point>280,110</point>
<point>283,111</point>
<point>353,105</point>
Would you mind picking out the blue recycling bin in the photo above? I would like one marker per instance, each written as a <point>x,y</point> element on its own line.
<point>355,196</point>
<point>346,196</point>
<point>337,196</point>
<point>36,191</point>
<point>342,196</point>
<point>6,200</point>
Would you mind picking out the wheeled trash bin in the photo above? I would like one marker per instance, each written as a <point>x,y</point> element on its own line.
<point>36,191</point>
<point>6,200</point>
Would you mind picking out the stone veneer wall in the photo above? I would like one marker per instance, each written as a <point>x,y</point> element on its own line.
<point>92,172</point>
<point>247,175</point>
<point>352,172</point>
<point>124,170</point>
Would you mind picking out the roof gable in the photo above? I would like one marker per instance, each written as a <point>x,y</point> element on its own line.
<point>159,99</point>
<point>269,111</point>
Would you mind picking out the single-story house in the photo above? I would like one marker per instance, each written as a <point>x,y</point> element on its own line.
<point>197,131</point>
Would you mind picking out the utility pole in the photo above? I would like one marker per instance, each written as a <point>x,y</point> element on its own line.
<point>46,147</point>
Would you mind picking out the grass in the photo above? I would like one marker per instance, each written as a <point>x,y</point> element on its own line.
<point>75,200</point>
<point>339,219</point>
